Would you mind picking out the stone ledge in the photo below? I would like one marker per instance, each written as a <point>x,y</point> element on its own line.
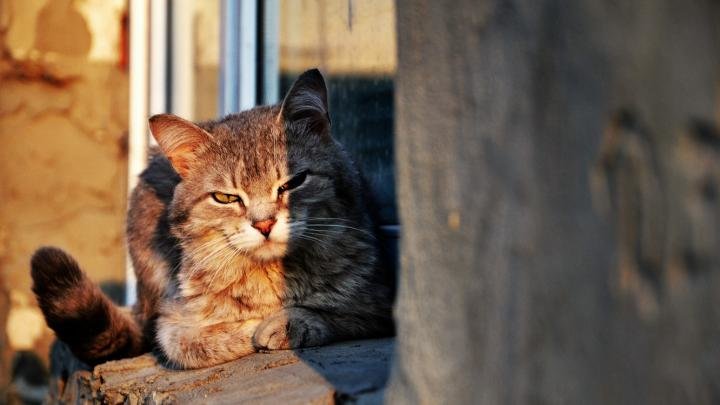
<point>347,371</point>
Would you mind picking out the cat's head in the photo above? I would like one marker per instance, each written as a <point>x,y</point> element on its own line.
<point>251,180</point>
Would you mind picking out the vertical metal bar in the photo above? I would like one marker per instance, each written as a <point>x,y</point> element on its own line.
<point>248,54</point>
<point>183,59</point>
<point>271,52</point>
<point>158,57</point>
<point>229,57</point>
<point>138,111</point>
<point>238,76</point>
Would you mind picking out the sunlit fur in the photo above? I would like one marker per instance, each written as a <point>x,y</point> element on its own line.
<point>211,287</point>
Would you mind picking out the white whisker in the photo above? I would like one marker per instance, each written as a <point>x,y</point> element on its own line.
<point>322,226</point>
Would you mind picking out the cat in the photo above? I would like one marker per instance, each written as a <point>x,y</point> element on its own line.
<point>251,232</point>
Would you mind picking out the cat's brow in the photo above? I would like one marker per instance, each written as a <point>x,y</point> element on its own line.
<point>265,203</point>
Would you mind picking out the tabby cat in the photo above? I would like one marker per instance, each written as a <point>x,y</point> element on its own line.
<point>249,232</point>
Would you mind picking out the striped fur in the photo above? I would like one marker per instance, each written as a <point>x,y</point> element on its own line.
<point>79,313</point>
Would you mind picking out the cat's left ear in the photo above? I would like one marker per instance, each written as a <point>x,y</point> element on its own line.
<point>307,102</point>
<point>179,140</point>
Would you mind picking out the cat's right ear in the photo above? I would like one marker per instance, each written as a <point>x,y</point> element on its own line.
<point>179,140</point>
<point>307,102</point>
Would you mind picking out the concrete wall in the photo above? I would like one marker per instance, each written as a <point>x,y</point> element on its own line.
<point>558,187</point>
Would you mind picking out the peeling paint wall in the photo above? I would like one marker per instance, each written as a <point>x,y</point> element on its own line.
<point>63,115</point>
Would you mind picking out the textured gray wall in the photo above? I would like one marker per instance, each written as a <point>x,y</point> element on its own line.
<point>557,166</point>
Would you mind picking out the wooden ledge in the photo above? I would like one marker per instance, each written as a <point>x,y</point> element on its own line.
<point>346,371</point>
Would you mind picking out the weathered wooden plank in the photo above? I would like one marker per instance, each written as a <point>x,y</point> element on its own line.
<point>313,375</point>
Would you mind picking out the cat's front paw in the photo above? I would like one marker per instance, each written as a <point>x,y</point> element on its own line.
<point>272,334</point>
<point>291,328</point>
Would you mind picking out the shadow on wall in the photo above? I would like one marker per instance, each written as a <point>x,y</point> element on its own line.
<point>60,28</point>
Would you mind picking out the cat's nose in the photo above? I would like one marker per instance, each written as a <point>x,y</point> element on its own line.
<point>264,226</point>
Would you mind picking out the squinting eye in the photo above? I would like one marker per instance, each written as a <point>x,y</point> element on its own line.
<point>296,181</point>
<point>223,198</point>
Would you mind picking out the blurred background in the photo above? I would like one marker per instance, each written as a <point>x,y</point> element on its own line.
<point>78,79</point>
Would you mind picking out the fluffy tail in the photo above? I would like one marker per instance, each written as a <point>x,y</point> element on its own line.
<point>94,328</point>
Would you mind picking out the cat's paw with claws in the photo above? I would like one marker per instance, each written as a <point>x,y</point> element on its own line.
<point>291,328</point>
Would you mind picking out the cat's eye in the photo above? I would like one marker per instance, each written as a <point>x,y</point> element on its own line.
<point>294,182</point>
<point>223,198</point>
